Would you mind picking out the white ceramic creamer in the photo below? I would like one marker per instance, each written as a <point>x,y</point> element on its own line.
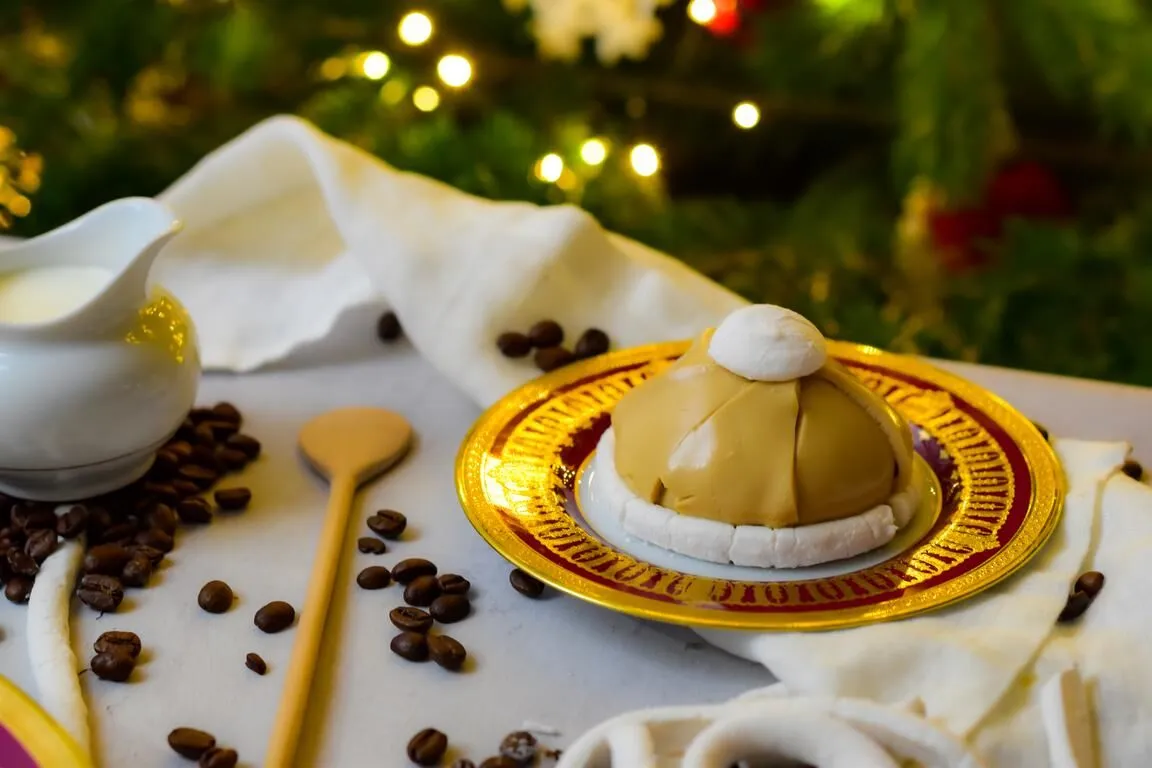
<point>97,369</point>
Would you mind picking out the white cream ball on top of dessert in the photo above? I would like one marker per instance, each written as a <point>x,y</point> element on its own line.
<point>757,449</point>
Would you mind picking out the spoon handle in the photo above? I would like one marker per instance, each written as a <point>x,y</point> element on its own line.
<point>310,629</point>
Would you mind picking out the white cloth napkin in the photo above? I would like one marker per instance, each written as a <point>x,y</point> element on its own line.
<point>286,229</point>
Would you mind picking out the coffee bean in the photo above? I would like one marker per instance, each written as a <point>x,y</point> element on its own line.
<point>233,499</point>
<point>1041,429</point>
<point>200,414</point>
<point>255,663</point>
<point>519,746</point>
<point>73,522</point>
<point>374,577</point>
<point>118,642</point>
<point>116,667</point>
<point>1091,583</point>
<point>500,762</point>
<point>388,523</point>
<point>412,568</point>
<point>165,464</point>
<point>388,327</point>
<point>447,652</point>
<point>204,456</point>
<point>219,757</point>
<point>215,597</point>
<point>101,593</point>
<point>371,546</point>
<point>162,491</point>
<point>203,435</point>
<point>221,430</point>
<point>1133,469</point>
<point>18,589</point>
<point>33,517</point>
<point>120,533</point>
<point>163,518</point>
<point>246,444</point>
<point>427,747</point>
<point>410,619</point>
<point>232,459</point>
<point>40,544</point>
<point>185,430</point>
<point>201,477</point>
<point>412,646</point>
<point>421,591</point>
<point>463,763</point>
<point>276,616</point>
<point>190,743</point>
<point>1078,602</point>
<point>591,343</point>
<point>137,571</point>
<point>154,555</point>
<point>551,358</point>
<point>512,344</point>
<point>525,584</point>
<point>226,412</point>
<point>107,559</point>
<point>194,510</point>
<point>156,539</point>
<point>546,333</point>
<point>99,519</point>
<point>185,488</point>
<point>21,564</point>
<point>181,448</point>
<point>454,584</point>
<point>448,609</point>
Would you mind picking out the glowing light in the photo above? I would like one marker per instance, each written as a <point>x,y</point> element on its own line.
<point>415,28</point>
<point>393,92</point>
<point>454,70</point>
<point>373,64</point>
<point>333,68</point>
<point>593,151</point>
<point>425,98</point>
<point>746,115</point>
<point>645,159</point>
<point>702,11</point>
<point>550,167</point>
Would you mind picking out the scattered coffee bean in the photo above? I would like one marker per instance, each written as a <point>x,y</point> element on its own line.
<point>388,327</point>
<point>226,412</point>
<point>204,456</point>
<point>18,589</point>
<point>162,518</point>
<point>190,743</point>
<point>181,448</point>
<point>233,499</point>
<point>203,434</point>
<point>1133,469</point>
<point>21,563</point>
<point>275,617</point>
<point>120,533</point>
<point>546,333</point>
<point>591,343</point>
<point>215,597</point>
<point>551,358</point>
<point>115,667</point>
<point>421,591</point>
<point>374,577</point>
<point>40,544</point>
<point>500,762</point>
<point>447,652</point>
<point>525,584</point>
<point>73,522</point>
<point>106,559</point>
<point>371,546</point>
<point>410,619</point>
<point>412,568</point>
<point>1091,583</point>
<point>162,491</point>
<point>246,444</point>
<point>454,584</point>
<point>165,464</point>
<point>463,763</point>
<point>448,609</point>
<point>137,571</point>
<point>30,516</point>
<point>185,488</point>
<point>156,538</point>
<point>513,344</point>
<point>412,646</point>
<point>1078,602</point>
<point>232,459</point>
<point>194,510</point>
<point>519,746</point>
<point>255,663</point>
<point>221,430</point>
<point>154,555</point>
<point>101,593</point>
<point>218,757</point>
<point>118,642</point>
<point>427,747</point>
<point>201,477</point>
<point>388,523</point>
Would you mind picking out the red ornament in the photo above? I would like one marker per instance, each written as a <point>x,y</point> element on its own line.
<point>727,19</point>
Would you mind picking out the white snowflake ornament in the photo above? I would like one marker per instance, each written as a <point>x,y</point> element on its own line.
<point>621,28</point>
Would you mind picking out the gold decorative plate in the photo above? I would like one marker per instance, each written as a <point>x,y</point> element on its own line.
<point>1001,494</point>
<point>29,738</point>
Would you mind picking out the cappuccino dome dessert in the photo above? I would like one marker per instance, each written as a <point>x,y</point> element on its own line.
<point>757,449</point>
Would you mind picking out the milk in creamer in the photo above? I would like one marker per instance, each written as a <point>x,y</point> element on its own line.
<point>43,294</point>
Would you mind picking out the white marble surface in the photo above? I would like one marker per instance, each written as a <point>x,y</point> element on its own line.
<point>556,661</point>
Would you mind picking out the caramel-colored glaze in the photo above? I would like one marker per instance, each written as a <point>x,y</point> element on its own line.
<point>702,441</point>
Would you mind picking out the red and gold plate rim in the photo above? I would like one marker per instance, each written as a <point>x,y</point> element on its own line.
<point>517,470</point>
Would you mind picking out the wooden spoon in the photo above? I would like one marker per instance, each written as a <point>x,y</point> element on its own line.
<point>349,447</point>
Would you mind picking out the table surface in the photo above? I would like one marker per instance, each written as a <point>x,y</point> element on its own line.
<point>556,661</point>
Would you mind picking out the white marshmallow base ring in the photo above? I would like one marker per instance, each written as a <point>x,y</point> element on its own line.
<point>764,342</point>
<point>54,667</point>
<point>747,545</point>
<point>824,731</point>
